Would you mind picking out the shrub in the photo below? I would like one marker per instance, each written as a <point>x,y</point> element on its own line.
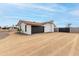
<point>19,30</point>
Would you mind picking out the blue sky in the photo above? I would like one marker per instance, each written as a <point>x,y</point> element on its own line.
<point>60,13</point>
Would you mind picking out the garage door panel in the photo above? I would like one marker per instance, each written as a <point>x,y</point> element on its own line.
<point>37,29</point>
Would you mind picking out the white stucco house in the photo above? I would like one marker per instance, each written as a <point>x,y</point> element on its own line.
<point>29,27</point>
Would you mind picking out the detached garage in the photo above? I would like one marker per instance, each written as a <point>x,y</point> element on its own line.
<point>29,27</point>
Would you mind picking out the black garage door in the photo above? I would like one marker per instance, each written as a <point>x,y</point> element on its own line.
<point>37,29</point>
<point>64,29</point>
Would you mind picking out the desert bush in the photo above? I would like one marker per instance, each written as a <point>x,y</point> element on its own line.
<point>19,30</point>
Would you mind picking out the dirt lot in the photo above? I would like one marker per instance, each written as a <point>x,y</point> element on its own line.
<point>45,44</point>
<point>3,35</point>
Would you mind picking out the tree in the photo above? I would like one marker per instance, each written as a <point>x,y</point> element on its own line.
<point>69,25</point>
<point>19,30</point>
<point>0,26</point>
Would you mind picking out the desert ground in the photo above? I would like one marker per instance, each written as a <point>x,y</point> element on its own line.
<point>42,44</point>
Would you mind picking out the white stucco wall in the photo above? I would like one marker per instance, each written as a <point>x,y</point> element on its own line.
<point>23,27</point>
<point>48,27</point>
<point>28,31</point>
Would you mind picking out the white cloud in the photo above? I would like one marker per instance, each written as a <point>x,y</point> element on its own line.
<point>44,8</point>
<point>2,12</point>
<point>50,7</point>
<point>10,17</point>
<point>22,6</point>
<point>59,7</point>
<point>74,12</point>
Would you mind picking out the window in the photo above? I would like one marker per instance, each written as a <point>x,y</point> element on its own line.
<point>25,28</point>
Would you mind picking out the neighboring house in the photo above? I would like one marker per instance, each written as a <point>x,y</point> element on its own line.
<point>29,27</point>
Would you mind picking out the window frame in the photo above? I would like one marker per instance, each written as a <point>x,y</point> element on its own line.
<point>25,28</point>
